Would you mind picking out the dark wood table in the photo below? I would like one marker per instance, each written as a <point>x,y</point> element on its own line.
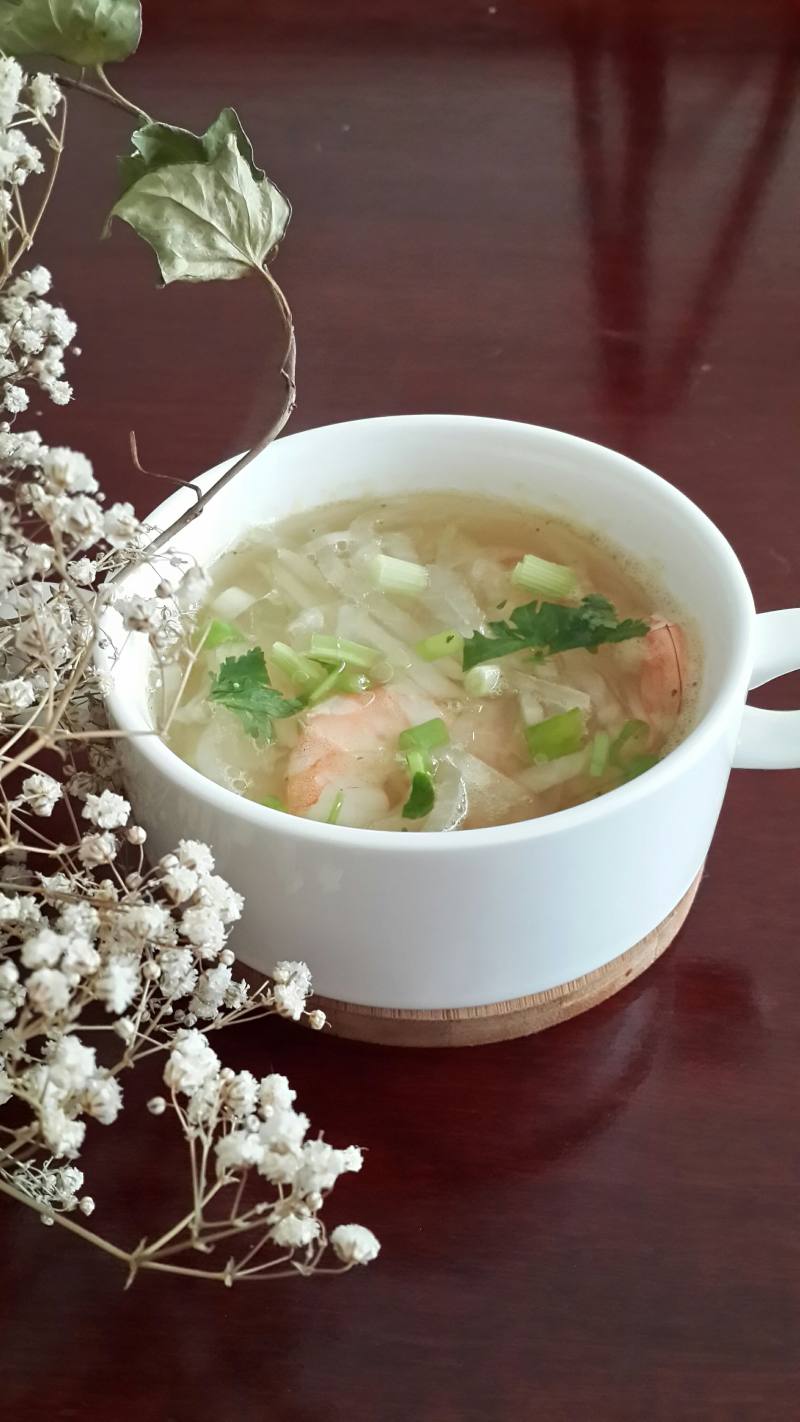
<point>585,216</point>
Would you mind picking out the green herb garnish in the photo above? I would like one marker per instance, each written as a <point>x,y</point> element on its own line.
<point>557,736</point>
<point>219,632</point>
<point>335,810</point>
<point>425,737</point>
<point>422,795</point>
<point>421,798</point>
<point>242,685</point>
<point>638,764</point>
<point>549,627</point>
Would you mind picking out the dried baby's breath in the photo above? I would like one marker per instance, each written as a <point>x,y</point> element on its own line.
<point>106,959</point>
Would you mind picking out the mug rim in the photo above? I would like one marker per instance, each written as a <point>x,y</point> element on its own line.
<point>680,758</point>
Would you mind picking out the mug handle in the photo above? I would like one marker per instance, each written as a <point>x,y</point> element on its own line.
<point>770,740</point>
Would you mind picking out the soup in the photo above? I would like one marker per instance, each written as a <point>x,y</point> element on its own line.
<point>431,662</point>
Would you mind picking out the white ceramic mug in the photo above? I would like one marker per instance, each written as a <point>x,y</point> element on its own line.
<point>433,921</point>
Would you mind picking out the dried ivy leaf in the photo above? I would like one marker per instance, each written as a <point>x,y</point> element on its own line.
<point>159,144</point>
<point>210,220</point>
<point>81,31</point>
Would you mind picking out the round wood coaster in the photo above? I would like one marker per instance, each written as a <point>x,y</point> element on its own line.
<point>517,1017</point>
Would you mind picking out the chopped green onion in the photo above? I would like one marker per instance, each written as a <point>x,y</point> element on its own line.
<point>422,795</point>
<point>335,809</point>
<point>352,681</point>
<point>396,575</point>
<point>333,650</point>
<point>638,764</point>
<point>219,632</point>
<point>441,644</point>
<point>557,736</point>
<point>328,686</point>
<point>484,680</point>
<point>425,737</point>
<point>273,803</point>
<point>630,742</point>
<point>598,756</point>
<point>301,671</point>
<point>536,575</point>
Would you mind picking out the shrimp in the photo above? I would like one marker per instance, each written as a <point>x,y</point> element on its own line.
<point>349,743</point>
<point>663,674</point>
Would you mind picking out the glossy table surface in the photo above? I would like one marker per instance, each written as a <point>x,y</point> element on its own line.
<point>583,216</point>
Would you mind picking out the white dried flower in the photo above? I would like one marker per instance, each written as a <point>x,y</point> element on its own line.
<point>120,525</point>
<point>178,972</point>
<point>195,855</point>
<point>11,79</point>
<point>192,1062</point>
<point>139,614</point>
<point>17,693</point>
<point>238,1151</point>
<point>240,1094</point>
<point>86,1205</point>
<point>118,984</point>
<point>275,1093</point>
<point>107,811</point>
<point>210,991</point>
<point>45,99</point>
<point>295,1231</point>
<point>48,991</point>
<point>203,928</point>
<point>41,793</point>
<point>287,972</point>
<point>62,1135</point>
<point>192,587</point>
<point>136,835</point>
<point>15,399</point>
<point>219,896</point>
<point>66,471</point>
<point>103,1099</point>
<point>156,1105</point>
<point>81,518</point>
<point>290,1000</point>
<point>97,849</point>
<point>38,560</point>
<point>355,1244</point>
<point>83,571</point>
<point>43,950</point>
<point>180,883</point>
<point>317,1019</point>
<point>60,392</point>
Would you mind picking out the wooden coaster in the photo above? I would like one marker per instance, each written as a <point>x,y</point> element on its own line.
<point>517,1017</point>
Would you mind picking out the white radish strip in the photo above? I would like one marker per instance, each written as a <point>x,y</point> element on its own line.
<point>341,576</point>
<point>291,587</point>
<point>452,802</point>
<point>556,772</point>
<point>489,792</point>
<point>492,581</point>
<point>303,569</point>
<point>451,601</point>
<point>359,809</point>
<point>531,707</point>
<point>193,713</point>
<point>455,549</point>
<point>399,545</point>
<point>341,538</point>
<point>358,626</point>
<point>357,589</point>
<point>551,693</point>
<point>312,619</point>
<point>231,603</point>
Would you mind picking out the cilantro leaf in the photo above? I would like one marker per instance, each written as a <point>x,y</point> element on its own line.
<point>551,627</point>
<point>242,685</point>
